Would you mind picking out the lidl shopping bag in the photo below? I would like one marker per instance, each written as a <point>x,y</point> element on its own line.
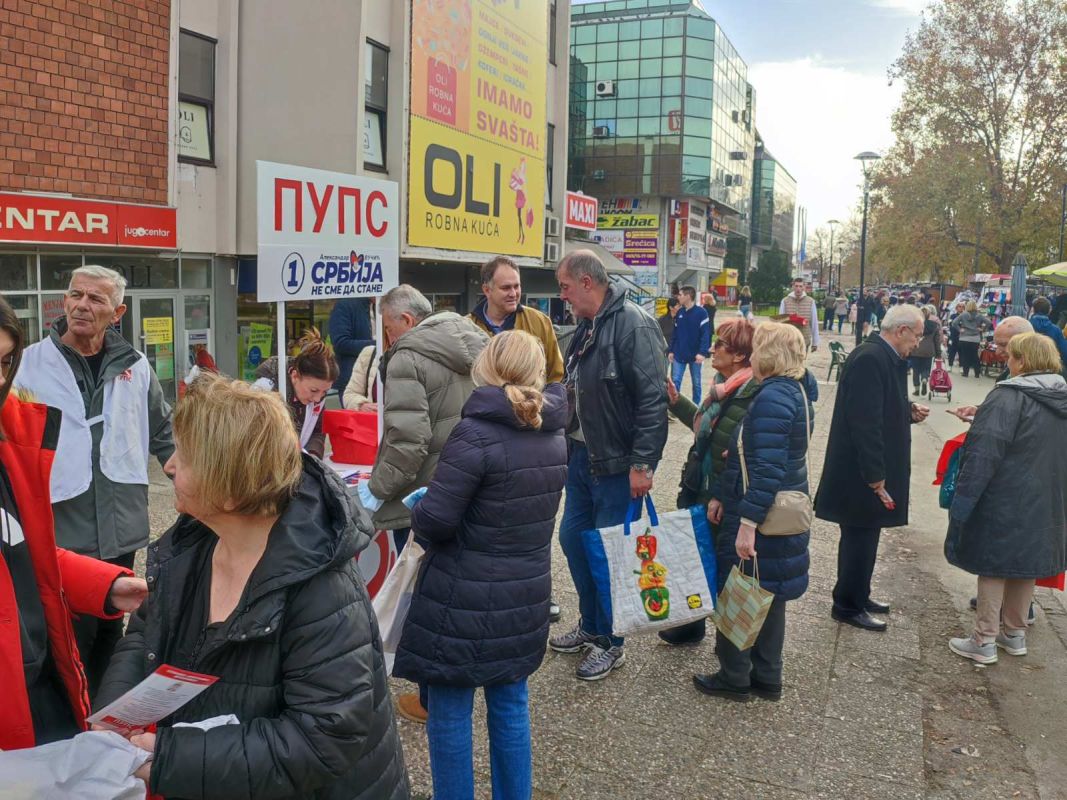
<point>656,573</point>
<point>393,600</point>
<point>742,607</point>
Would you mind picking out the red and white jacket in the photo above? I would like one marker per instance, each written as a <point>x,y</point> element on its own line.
<point>68,583</point>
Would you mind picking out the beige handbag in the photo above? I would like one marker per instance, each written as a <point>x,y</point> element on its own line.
<point>792,512</point>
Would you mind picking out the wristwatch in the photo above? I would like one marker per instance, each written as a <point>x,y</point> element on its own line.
<point>645,468</point>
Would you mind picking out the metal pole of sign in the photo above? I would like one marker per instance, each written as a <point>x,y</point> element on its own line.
<point>283,355</point>
<point>378,342</point>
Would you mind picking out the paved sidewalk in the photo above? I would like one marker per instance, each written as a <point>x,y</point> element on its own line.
<point>863,715</point>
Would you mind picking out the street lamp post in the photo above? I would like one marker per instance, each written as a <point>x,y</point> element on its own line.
<point>865,158</point>
<point>832,223</point>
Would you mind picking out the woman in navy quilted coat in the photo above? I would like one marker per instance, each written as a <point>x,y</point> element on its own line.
<point>775,446</point>
<point>479,615</point>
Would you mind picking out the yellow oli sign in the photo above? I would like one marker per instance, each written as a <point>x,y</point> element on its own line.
<point>477,127</point>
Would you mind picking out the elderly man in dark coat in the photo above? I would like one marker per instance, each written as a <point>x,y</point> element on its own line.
<point>865,479</point>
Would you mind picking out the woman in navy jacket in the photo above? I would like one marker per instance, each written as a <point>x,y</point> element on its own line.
<point>479,615</point>
<point>775,445</point>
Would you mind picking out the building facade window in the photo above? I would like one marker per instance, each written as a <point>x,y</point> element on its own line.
<point>377,99</point>
<point>550,160</point>
<point>196,98</point>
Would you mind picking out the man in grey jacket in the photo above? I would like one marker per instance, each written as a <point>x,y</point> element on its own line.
<point>114,417</point>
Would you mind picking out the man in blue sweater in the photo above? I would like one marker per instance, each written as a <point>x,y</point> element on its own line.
<point>691,341</point>
<point>1045,326</point>
<point>350,332</point>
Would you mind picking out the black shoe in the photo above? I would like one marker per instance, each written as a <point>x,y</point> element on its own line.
<point>916,392</point>
<point>716,687</point>
<point>974,604</point>
<point>688,635</point>
<point>874,607</point>
<point>863,620</point>
<point>768,691</point>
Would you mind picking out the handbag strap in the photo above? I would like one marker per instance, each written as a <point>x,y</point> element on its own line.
<point>807,449</point>
<point>635,508</point>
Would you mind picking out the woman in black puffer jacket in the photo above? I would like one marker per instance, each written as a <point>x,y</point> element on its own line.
<point>479,615</point>
<point>256,585</point>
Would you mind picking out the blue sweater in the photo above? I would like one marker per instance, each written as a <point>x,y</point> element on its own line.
<point>1047,327</point>
<point>692,334</point>
<point>350,332</point>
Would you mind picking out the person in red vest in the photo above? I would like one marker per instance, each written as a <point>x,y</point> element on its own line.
<point>45,692</point>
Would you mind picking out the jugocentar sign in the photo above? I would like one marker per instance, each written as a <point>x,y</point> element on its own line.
<point>42,219</point>
<point>324,235</point>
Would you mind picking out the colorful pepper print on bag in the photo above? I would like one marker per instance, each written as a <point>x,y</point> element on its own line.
<point>653,579</point>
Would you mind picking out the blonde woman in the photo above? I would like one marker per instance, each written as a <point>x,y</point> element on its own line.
<point>479,617</point>
<point>1008,520</point>
<point>256,585</point>
<point>775,439</point>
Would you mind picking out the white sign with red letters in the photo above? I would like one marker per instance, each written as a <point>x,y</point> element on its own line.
<point>325,235</point>
<point>580,211</point>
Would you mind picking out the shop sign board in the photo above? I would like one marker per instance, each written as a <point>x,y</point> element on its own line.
<point>580,211</point>
<point>476,180</point>
<point>45,219</point>
<point>324,235</point>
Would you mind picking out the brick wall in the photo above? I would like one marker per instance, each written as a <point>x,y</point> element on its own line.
<point>83,97</point>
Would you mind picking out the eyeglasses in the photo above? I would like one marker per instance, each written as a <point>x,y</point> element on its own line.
<point>720,343</point>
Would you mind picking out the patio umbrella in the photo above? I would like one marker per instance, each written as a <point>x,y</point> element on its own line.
<point>1055,274</point>
<point>1018,286</point>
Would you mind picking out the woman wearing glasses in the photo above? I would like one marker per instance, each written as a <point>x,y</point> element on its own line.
<point>714,424</point>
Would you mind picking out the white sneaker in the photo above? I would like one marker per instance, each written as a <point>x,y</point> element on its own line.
<point>1012,645</point>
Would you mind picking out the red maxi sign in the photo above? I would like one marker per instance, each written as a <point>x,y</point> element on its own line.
<point>40,219</point>
<point>580,211</point>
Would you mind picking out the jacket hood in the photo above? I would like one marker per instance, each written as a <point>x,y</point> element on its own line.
<point>446,338</point>
<point>613,301</point>
<point>321,527</point>
<point>490,403</point>
<point>1048,389</point>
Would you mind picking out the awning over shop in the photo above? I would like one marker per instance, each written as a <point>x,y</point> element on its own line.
<point>611,263</point>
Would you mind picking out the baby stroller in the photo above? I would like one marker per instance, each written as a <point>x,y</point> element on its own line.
<point>940,380</point>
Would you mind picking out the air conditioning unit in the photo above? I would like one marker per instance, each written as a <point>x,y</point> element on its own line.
<point>601,131</point>
<point>552,251</point>
<point>736,116</point>
<point>551,226</point>
<point>605,88</point>
<point>738,155</point>
<point>738,180</point>
<point>599,174</point>
<point>729,180</point>
<point>745,116</point>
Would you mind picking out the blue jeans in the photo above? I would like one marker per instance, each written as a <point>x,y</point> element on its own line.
<point>592,502</point>
<point>678,372</point>
<point>448,732</point>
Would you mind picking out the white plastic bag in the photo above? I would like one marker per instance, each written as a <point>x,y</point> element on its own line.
<point>96,765</point>
<point>393,600</point>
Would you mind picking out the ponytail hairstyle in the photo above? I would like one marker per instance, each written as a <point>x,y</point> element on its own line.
<point>9,324</point>
<point>315,359</point>
<point>515,361</point>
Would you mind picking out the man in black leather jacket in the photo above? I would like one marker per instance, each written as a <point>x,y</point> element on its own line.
<point>616,386</point>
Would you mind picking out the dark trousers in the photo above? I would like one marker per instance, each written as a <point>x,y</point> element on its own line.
<point>761,662</point>
<point>968,353</point>
<point>920,370</point>
<point>856,554</point>
<point>952,353</point>
<point>97,637</point>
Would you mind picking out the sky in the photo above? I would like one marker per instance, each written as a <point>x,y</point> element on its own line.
<point>822,90</point>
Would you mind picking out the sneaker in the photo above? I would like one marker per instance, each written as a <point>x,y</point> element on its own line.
<point>553,611</point>
<point>971,648</point>
<point>409,707</point>
<point>1012,645</point>
<point>600,662</point>
<point>573,641</point>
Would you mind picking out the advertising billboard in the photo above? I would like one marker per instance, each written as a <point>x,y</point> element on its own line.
<point>476,177</point>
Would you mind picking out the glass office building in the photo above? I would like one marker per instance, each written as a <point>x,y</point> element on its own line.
<point>660,107</point>
<point>774,201</point>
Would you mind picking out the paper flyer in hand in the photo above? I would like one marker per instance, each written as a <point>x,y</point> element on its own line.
<point>156,697</point>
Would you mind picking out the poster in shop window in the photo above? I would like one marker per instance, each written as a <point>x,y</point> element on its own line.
<point>478,126</point>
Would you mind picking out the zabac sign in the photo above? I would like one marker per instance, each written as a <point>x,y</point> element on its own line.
<point>41,219</point>
<point>324,235</point>
<point>580,211</point>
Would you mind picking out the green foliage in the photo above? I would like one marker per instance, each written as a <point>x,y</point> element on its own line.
<point>770,280</point>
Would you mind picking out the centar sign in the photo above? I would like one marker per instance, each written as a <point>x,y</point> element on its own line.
<point>66,220</point>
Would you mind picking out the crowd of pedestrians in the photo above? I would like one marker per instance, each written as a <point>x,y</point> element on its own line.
<point>487,427</point>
